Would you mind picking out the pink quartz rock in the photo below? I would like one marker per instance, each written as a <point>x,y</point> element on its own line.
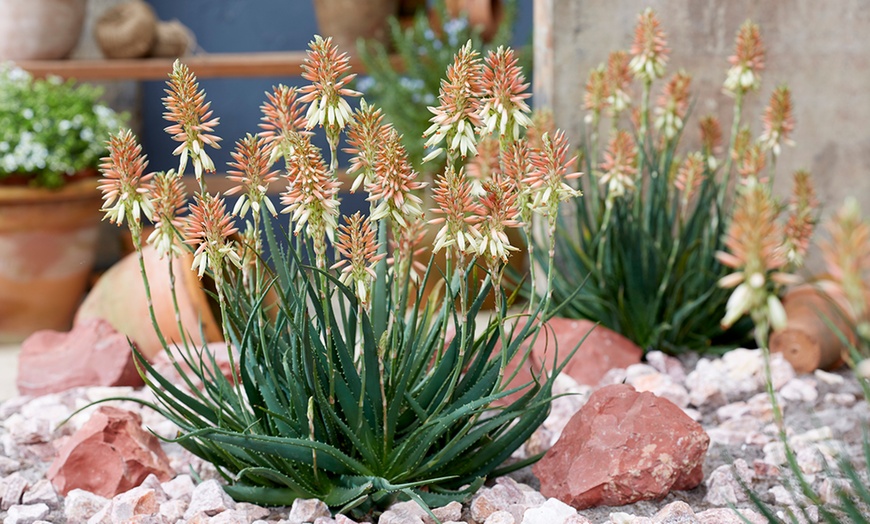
<point>621,447</point>
<point>92,354</point>
<point>601,351</point>
<point>109,455</point>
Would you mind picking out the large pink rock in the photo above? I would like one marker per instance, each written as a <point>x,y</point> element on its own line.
<point>601,351</point>
<point>109,455</point>
<point>621,447</point>
<point>92,354</point>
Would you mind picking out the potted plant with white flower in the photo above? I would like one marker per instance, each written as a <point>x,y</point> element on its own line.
<point>51,139</point>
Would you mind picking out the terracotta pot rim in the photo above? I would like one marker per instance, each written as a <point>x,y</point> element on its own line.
<point>82,189</point>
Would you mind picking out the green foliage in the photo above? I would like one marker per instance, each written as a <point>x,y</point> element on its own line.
<point>50,129</point>
<point>413,418</point>
<point>424,51</point>
<point>648,271</point>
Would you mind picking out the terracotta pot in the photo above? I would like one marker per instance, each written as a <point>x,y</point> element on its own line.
<point>807,342</point>
<point>40,29</point>
<point>48,245</point>
<point>119,297</point>
<point>485,14</point>
<point>346,21</point>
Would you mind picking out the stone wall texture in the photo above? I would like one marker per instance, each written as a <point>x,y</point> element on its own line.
<point>819,49</point>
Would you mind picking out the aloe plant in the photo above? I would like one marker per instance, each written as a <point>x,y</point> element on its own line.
<point>641,245</point>
<point>347,381</point>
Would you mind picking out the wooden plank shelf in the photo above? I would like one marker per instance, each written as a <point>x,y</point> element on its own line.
<point>216,65</point>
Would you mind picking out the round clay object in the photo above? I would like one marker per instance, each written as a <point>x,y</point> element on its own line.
<point>173,39</point>
<point>127,30</point>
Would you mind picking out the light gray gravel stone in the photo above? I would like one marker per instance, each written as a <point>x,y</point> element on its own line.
<point>553,511</point>
<point>80,505</point>
<point>42,492</point>
<point>26,514</point>
<point>307,510</point>
<point>208,498</point>
<point>12,490</point>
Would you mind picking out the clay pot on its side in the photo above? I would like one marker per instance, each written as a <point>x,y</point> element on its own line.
<point>119,297</point>
<point>40,29</point>
<point>807,342</point>
<point>348,20</point>
<point>48,242</point>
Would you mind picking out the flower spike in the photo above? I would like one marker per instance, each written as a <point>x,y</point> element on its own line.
<point>596,97</point>
<point>326,69</point>
<point>356,242</point>
<point>649,50</point>
<point>192,122</point>
<point>458,115</point>
<point>847,255</point>
<point>778,121</point>
<point>802,218</point>
<point>673,105</point>
<point>747,60</point>
<point>250,169</point>
<point>619,167</point>
<point>617,78</point>
<point>125,193</point>
<point>504,109</point>
<point>755,250</point>
<point>169,196</point>
<point>209,228</point>
<point>364,135</point>
<point>311,197</point>
<point>282,121</point>
<point>459,213</point>
<point>391,189</point>
<point>549,171</point>
<point>499,211</point>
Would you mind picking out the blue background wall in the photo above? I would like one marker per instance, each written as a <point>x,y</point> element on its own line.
<point>244,26</point>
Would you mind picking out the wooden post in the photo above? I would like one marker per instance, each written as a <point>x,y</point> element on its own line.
<point>545,79</point>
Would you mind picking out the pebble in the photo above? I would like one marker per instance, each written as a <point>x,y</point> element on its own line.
<point>723,486</point>
<point>80,505</point>
<point>553,511</point>
<point>26,514</point>
<point>42,493</point>
<point>208,498</point>
<point>307,510</point>
<point>12,490</point>
<point>800,390</point>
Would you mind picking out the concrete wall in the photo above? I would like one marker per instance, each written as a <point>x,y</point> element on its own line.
<point>820,49</point>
